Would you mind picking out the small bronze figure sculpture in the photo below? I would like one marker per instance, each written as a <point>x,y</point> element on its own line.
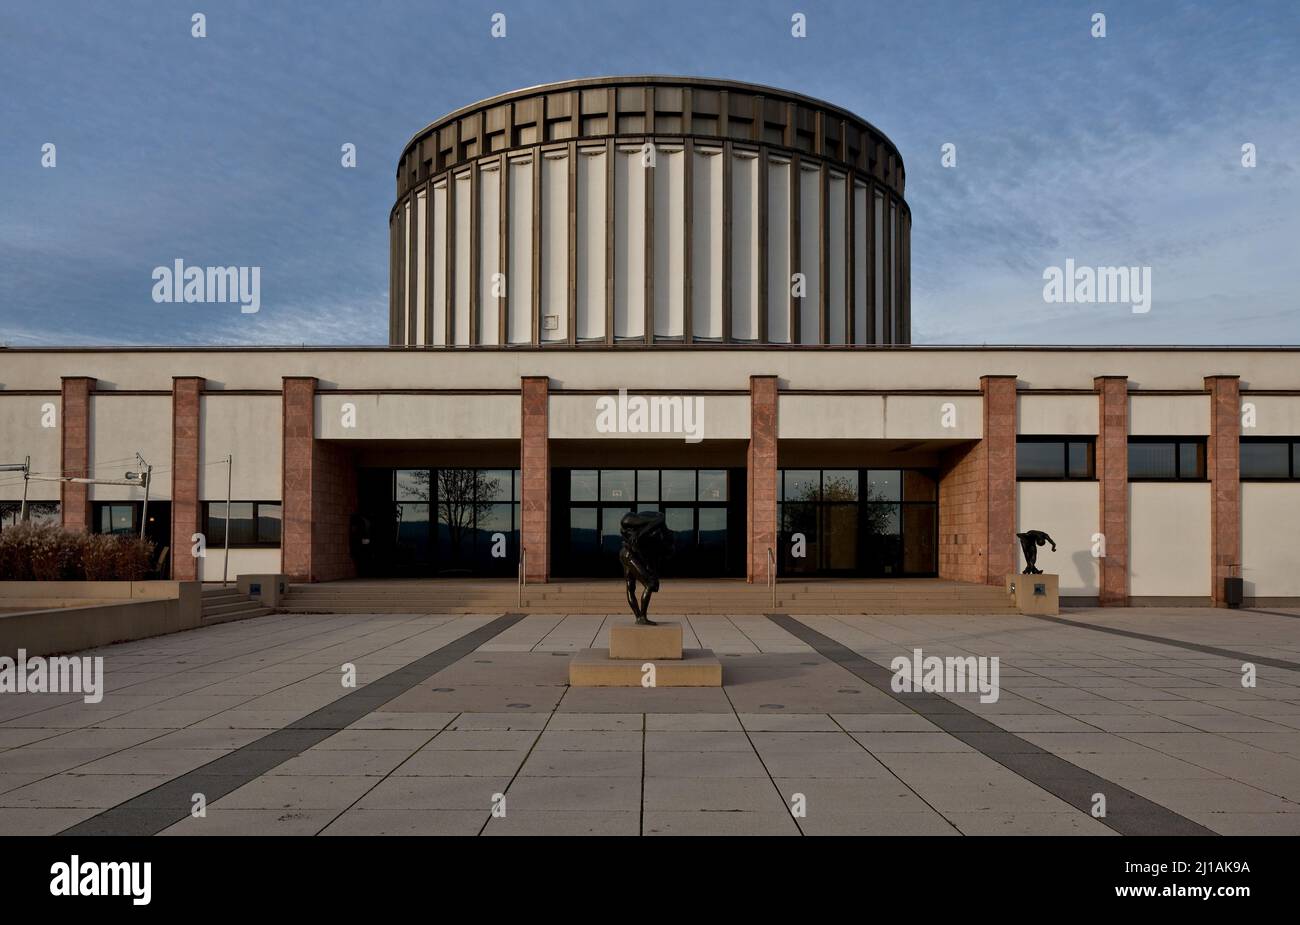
<point>647,544</point>
<point>1028,541</point>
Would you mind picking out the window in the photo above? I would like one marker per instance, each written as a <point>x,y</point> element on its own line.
<point>857,522</point>
<point>1180,459</point>
<point>1055,458</point>
<point>1270,458</point>
<point>117,518</point>
<point>252,523</point>
<point>695,504</point>
<point>38,512</point>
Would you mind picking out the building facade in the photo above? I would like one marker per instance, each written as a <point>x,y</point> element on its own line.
<point>710,318</point>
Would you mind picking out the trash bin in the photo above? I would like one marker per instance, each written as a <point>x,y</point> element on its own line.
<point>1232,590</point>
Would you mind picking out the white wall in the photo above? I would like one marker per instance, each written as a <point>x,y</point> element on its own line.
<point>744,247</point>
<point>439,264</point>
<point>120,427</point>
<point>778,251</point>
<point>629,243</point>
<point>1064,415</point>
<point>706,254</point>
<point>555,246</point>
<point>1068,512</point>
<point>1169,539</point>
<point>242,561</point>
<point>810,217</point>
<point>868,417</point>
<point>836,255</point>
<point>248,428</point>
<point>1275,415</point>
<point>462,191</point>
<point>520,273</point>
<point>1169,415</point>
<point>489,251</point>
<point>591,244</point>
<point>418,417</point>
<point>1270,538</point>
<point>725,417</point>
<point>670,241</point>
<point>21,435</point>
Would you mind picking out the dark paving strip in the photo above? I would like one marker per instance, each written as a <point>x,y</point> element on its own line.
<point>1271,613</point>
<point>1178,643</point>
<point>1126,812</point>
<point>169,803</point>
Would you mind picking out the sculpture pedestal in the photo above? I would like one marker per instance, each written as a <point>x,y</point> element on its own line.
<point>1035,594</point>
<point>645,656</point>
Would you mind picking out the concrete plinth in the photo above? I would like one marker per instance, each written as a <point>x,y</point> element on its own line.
<point>647,643</point>
<point>1037,594</point>
<point>595,668</point>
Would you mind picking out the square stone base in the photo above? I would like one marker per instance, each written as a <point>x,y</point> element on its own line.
<point>594,668</point>
<point>647,643</point>
<point>1036,594</point>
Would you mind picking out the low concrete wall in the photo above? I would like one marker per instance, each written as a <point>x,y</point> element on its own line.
<point>119,612</point>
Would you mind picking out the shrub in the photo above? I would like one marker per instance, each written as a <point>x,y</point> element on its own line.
<point>47,552</point>
<point>99,557</point>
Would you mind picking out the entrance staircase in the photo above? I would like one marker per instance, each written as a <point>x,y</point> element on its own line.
<point>221,605</point>
<point>912,596</point>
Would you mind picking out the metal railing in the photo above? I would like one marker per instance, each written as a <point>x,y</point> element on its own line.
<point>523,575</point>
<point>771,575</point>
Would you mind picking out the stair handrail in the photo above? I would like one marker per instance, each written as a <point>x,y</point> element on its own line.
<point>771,575</point>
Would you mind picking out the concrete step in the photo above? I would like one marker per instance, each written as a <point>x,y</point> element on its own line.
<point>250,609</point>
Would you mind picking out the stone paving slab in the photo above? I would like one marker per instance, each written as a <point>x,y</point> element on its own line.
<point>1161,715</point>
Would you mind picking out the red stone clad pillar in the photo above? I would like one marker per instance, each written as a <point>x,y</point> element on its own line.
<point>535,476</point>
<point>74,452</point>
<point>187,393</point>
<point>1223,468</point>
<point>299,425</point>
<point>760,511</point>
<point>1112,481</point>
<point>1000,476</point>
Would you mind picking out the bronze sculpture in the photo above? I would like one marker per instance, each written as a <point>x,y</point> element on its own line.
<point>1029,540</point>
<point>647,544</point>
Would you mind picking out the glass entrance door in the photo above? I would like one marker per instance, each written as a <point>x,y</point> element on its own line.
<point>857,522</point>
<point>701,507</point>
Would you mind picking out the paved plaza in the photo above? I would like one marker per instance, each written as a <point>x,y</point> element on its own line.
<point>465,725</point>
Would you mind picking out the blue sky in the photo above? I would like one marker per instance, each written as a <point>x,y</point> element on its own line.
<point>225,150</point>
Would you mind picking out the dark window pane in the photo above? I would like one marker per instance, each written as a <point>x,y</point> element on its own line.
<point>647,485</point>
<point>617,485</point>
<point>494,485</point>
<point>1265,460</point>
<point>268,523</point>
<point>1191,461</point>
<point>412,485</point>
<point>1040,459</point>
<point>802,484</point>
<point>713,485</point>
<point>582,485</point>
<point>678,485</point>
<point>583,535</point>
<point>884,485</point>
<point>1080,460</point>
<point>840,485</point>
<point>1152,461</point>
<point>840,537</point>
<point>243,532</point>
<point>611,537</point>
